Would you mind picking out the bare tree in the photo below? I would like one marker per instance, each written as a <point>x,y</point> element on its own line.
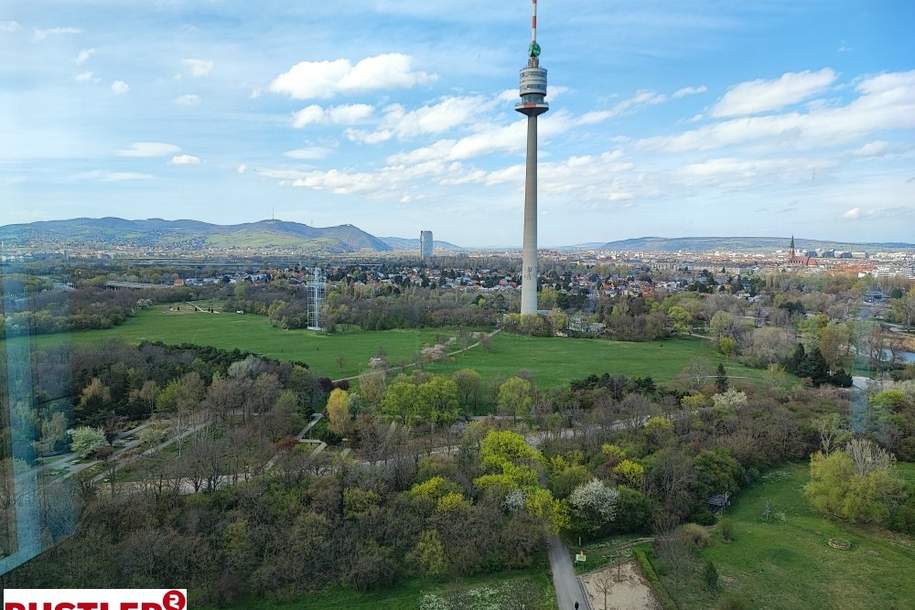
<point>604,584</point>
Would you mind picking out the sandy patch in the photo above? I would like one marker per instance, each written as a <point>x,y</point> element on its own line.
<point>630,592</point>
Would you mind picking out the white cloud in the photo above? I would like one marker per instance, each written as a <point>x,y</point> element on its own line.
<point>431,119</point>
<point>84,56</point>
<point>368,137</point>
<point>325,79</point>
<point>87,77</point>
<point>852,214</point>
<point>686,91</point>
<point>753,97</point>
<point>119,87</point>
<point>348,114</point>
<point>877,148</point>
<point>188,99</point>
<point>109,176</point>
<point>641,98</point>
<point>885,102</point>
<point>10,26</point>
<point>148,150</point>
<point>308,153</point>
<point>242,168</point>
<point>185,160</point>
<point>40,34</point>
<point>198,67</point>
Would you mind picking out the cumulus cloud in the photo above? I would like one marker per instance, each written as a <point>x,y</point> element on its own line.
<point>148,150</point>
<point>430,119</point>
<point>687,91</point>
<point>241,169</point>
<point>87,77</point>
<point>84,56</point>
<point>325,79</point>
<point>10,26</point>
<point>198,67</point>
<point>188,99</point>
<point>641,98</point>
<point>110,176</point>
<point>119,87</point>
<point>886,101</point>
<point>185,160</point>
<point>852,214</point>
<point>877,148</point>
<point>756,96</point>
<point>40,34</point>
<point>348,114</point>
<point>308,153</point>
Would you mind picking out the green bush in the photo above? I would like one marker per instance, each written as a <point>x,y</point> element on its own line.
<point>693,536</point>
<point>710,576</point>
<point>642,556</point>
<point>727,529</point>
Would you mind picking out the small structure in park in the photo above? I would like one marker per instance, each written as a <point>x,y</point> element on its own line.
<point>719,502</point>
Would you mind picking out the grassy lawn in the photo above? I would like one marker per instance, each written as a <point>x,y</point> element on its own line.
<point>551,360</point>
<point>555,361</point>
<point>789,564</point>
<point>409,594</point>
<point>256,334</point>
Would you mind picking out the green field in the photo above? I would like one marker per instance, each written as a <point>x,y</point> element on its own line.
<point>256,334</point>
<point>554,361</point>
<point>550,360</point>
<point>409,594</point>
<point>788,564</point>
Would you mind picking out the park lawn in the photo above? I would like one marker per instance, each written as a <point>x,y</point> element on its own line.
<point>554,361</point>
<point>789,564</point>
<point>255,334</point>
<point>407,594</point>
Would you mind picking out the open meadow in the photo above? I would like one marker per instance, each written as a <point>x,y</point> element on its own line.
<point>786,562</point>
<point>551,361</point>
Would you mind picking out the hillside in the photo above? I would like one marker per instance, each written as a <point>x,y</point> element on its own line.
<point>742,244</point>
<point>192,234</point>
<point>406,243</point>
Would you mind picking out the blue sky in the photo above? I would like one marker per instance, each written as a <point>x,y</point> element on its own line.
<point>668,118</point>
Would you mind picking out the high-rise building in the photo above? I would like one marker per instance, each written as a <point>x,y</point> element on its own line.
<point>533,104</point>
<point>426,244</point>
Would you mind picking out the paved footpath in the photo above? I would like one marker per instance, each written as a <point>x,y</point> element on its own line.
<point>568,588</point>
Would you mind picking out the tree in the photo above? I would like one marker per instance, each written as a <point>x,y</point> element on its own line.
<point>721,378</point>
<point>858,483</point>
<point>729,400</point>
<point>338,415</point>
<point>593,506</point>
<point>469,383</point>
<point>371,387</point>
<point>429,553</point>
<point>515,397</point>
<point>438,401</point>
<point>94,405</point>
<point>604,584</point>
<point>399,402</point>
<point>85,441</point>
<point>722,324</point>
<point>680,320</point>
<point>834,342</point>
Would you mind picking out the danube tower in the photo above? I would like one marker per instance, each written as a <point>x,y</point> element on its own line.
<point>533,104</point>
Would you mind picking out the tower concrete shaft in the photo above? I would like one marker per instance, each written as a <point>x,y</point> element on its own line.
<point>529,270</point>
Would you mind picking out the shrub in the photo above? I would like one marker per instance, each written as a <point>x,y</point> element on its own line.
<point>727,529</point>
<point>693,536</point>
<point>710,576</point>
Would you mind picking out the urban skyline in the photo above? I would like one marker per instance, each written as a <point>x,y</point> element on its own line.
<point>780,113</point>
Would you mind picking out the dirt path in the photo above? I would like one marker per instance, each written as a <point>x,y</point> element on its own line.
<point>629,592</point>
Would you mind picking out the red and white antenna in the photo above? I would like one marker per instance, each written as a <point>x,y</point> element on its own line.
<point>533,20</point>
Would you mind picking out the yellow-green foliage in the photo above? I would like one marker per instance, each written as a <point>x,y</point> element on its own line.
<point>452,502</point>
<point>434,488</point>
<point>613,453</point>
<point>694,401</point>
<point>540,503</point>
<point>631,472</point>
<point>503,446</point>
<point>837,489</point>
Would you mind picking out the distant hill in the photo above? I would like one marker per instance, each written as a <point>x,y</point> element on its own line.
<point>742,244</point>
<point>406,243</point>
<point>192,234</point>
